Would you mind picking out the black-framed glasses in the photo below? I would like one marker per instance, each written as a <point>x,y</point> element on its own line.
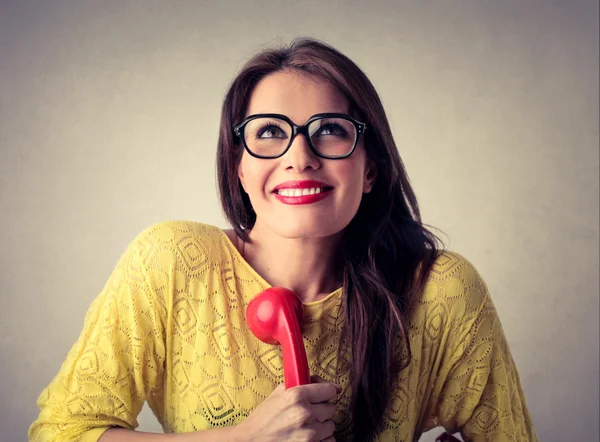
<point>329,135</point>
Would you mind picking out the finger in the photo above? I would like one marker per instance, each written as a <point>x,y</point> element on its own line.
<point>324,430</point>
<point>323,412</point>
<point>316,379</point>
<point>316,393</point>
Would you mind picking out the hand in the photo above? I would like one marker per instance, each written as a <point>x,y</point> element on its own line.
<point>300,414</point>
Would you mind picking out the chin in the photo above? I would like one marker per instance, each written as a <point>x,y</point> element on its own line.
<point>303,229</point>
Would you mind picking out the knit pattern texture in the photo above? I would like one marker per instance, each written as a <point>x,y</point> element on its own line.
<point>169,329</point>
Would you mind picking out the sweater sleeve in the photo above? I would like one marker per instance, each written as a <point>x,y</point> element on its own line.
<point>477,390</point>
<point>116,363</point>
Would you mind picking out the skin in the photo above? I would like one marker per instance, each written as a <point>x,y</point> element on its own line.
<point>289,242</point>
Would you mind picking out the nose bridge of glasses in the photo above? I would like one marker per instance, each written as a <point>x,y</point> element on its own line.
<point>305,136</point>
<point>300,156</point>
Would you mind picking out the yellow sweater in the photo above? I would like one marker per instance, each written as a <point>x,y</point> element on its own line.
<point>169,328</point>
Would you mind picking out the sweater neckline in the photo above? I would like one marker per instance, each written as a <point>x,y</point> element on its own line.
<point>312,308</point>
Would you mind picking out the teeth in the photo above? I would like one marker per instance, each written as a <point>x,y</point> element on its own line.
<point>299,192</point>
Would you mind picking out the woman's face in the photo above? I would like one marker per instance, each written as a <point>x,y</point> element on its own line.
<point>342,182</point>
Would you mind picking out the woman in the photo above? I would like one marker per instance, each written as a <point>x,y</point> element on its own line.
<point>401,336</point>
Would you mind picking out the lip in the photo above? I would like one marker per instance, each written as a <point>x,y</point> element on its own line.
<point>303,199</point>
<point>300,184</point>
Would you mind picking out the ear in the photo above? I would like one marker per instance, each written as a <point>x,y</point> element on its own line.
<point>241,177</point>
<point>370,176</point>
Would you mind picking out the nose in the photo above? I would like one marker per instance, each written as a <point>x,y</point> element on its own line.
<point>300,156</point>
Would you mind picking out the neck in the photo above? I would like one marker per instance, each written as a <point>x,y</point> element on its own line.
<point>307,266</point>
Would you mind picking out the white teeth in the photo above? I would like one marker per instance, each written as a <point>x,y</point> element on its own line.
<point>299,192</point>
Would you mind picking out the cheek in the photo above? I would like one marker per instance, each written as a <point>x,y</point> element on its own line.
<point>253,175</point>
<point>354,174</point>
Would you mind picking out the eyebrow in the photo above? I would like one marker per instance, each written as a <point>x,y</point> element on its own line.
<point>347,112</point>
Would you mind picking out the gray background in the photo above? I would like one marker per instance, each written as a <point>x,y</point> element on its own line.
<point>109,115</point>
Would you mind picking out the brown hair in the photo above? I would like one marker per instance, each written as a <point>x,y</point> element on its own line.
<point>387,250</point>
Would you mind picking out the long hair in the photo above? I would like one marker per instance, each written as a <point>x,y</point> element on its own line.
<point>387,250</point>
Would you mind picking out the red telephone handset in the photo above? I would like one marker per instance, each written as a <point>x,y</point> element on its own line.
<point>274,316</point>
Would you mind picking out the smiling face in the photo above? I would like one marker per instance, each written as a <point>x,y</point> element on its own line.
<point>300,195</point>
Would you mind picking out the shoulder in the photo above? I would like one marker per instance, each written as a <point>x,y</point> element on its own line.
<point>454,290</point>
<point>172,243</point>
<point>455,276</point>
<point>169,231</point>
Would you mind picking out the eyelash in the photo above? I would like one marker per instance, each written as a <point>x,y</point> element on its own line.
<point>266,126</point>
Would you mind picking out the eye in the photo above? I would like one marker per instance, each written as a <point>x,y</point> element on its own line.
<point>332,129</point>
<point>270,130</point>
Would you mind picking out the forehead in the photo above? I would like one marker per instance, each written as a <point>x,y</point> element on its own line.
<point>296,94</point>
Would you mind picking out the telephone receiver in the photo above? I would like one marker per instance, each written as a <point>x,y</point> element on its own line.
<point>274,316</point>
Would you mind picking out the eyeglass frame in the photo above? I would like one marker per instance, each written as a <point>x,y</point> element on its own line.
<point>360,127</point>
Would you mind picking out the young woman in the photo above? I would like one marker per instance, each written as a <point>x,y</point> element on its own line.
<point>401,336</point>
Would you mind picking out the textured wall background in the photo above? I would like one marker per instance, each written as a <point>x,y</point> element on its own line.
<point>109,115</point>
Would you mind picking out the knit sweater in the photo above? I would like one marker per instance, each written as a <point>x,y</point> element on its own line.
<point>169,328</point>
